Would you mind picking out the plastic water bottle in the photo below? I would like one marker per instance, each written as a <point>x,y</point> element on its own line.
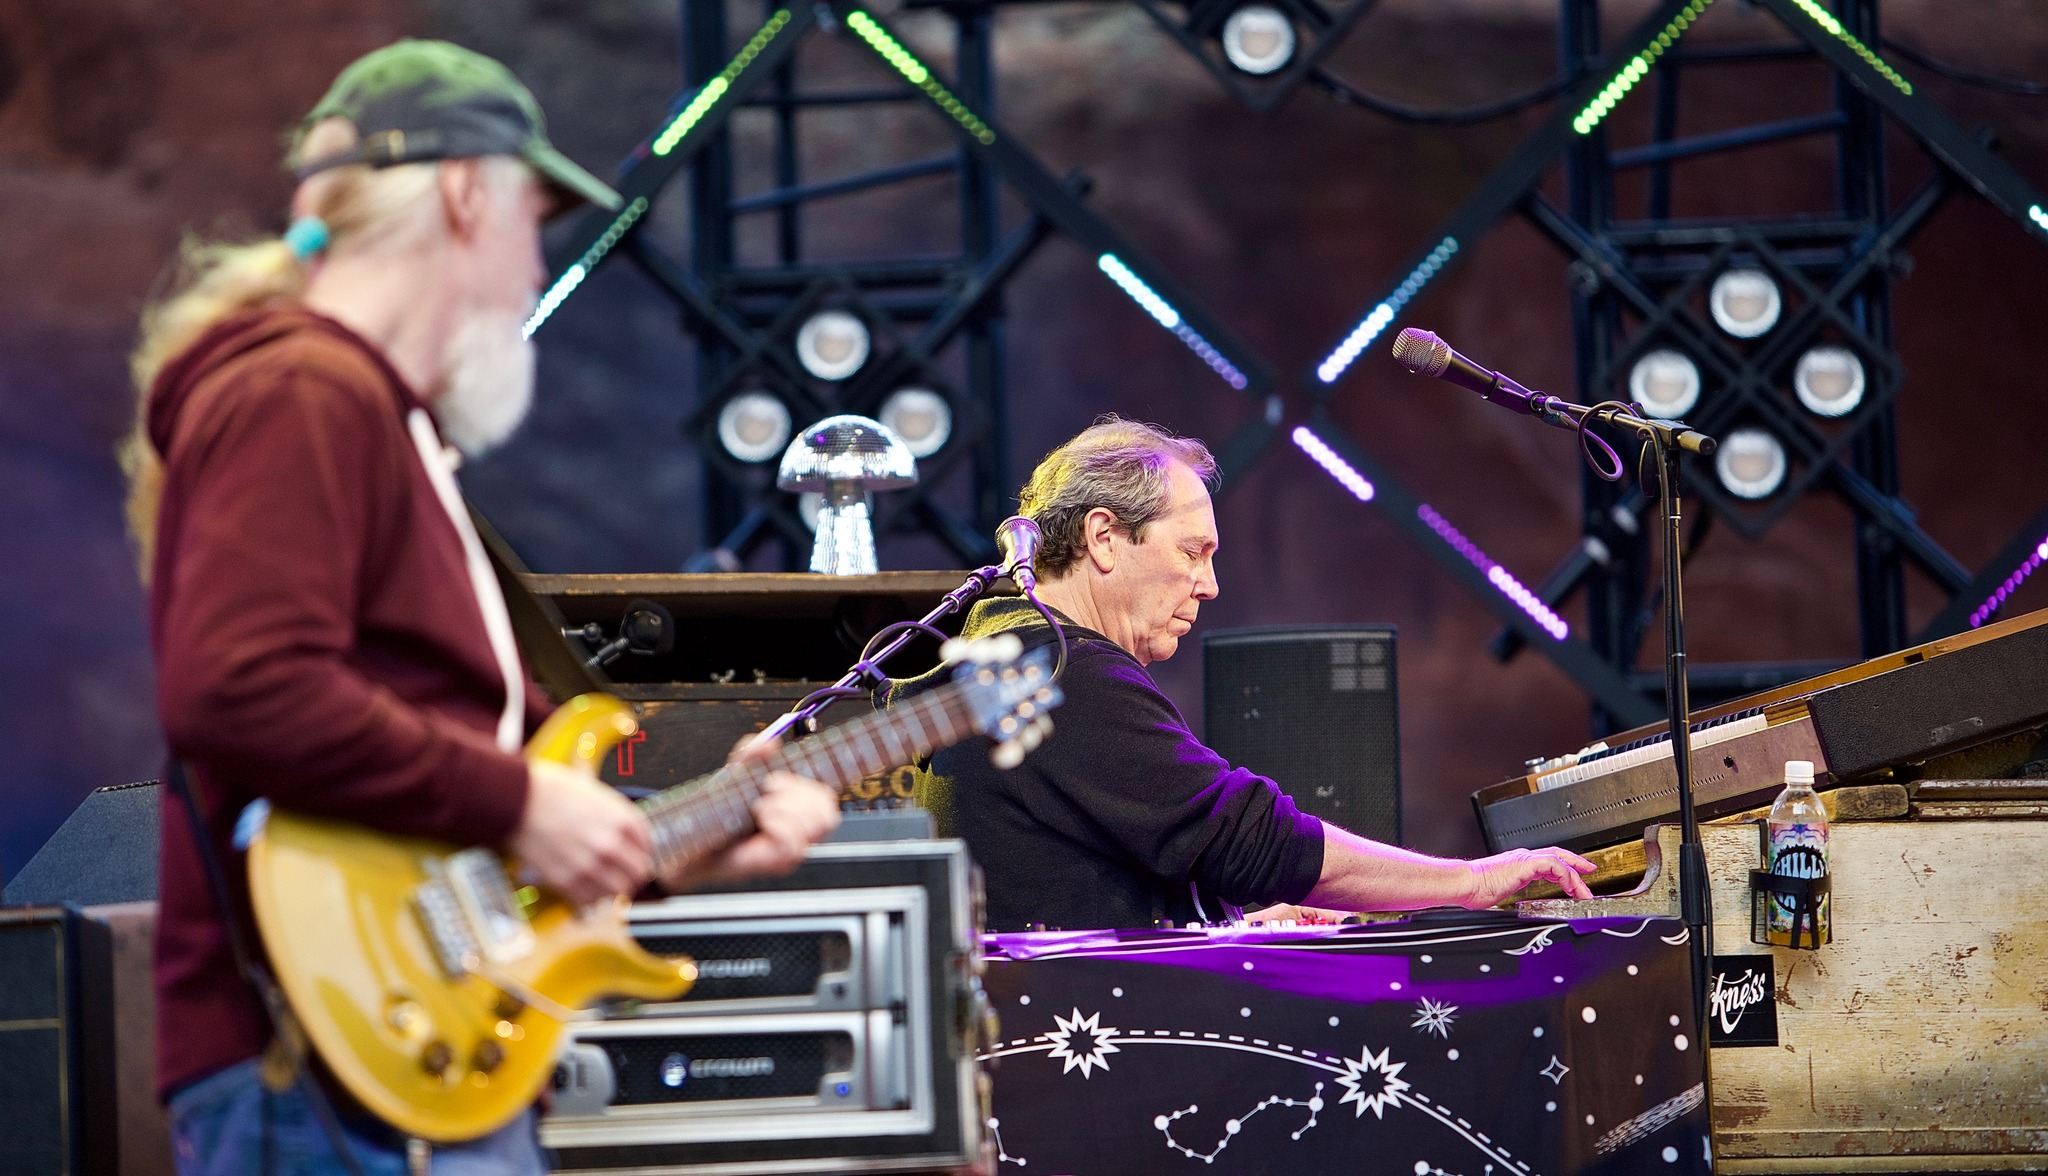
<point>1799,849</point>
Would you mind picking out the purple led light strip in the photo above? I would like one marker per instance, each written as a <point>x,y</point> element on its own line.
<point>1502,580</point>
<point>1496,575</point>
<point>1333,463</point>
<point>2012,584</point>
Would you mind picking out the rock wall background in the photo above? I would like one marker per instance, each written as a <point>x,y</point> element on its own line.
<point>124,123</point>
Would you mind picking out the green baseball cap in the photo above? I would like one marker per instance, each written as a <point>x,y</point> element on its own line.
<point>417,100</point>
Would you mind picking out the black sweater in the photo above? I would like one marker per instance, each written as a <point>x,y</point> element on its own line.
<point>1108,822</point>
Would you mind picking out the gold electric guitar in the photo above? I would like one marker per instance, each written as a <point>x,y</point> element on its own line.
<point>435,981</point>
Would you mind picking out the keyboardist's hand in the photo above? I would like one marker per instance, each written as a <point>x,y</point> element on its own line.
<point>1498,878</point>
<point>1288,912</point>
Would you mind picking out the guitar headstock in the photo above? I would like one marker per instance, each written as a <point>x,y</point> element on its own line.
<point>1007,692</point>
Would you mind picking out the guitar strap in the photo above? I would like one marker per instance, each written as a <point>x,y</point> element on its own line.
<point>536,622</point>
<point>438,463</point>
<point>288,1040</point>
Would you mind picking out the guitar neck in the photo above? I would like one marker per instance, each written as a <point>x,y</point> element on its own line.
<point>697,818</point>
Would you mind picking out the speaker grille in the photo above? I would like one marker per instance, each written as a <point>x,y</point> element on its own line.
<point>726,1067</point>
<point>57,1090</point>
<point>1315,708</point>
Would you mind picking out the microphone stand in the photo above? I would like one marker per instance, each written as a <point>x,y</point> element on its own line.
<point>978,581</point>
<point>1665,440</point>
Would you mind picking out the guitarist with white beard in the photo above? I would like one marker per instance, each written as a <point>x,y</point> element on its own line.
<point>326,629</point>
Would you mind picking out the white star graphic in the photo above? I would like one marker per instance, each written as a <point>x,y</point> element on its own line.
<point>1386,1084</point>
<point>1095,1042</point>
<point>1431,1017</point>
<point>1555,1071</point>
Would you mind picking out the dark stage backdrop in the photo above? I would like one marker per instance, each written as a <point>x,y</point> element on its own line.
<point>123,122</point>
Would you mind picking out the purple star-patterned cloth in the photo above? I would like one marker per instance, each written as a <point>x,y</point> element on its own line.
<point>1435,1046</point>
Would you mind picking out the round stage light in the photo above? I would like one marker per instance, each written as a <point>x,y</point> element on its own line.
<point>754,426</point>
<point>1665,383</point>
<point>1829,381</point>
<point>1258,39</point>
<point>832,344</point>
<point>1745,302</point>
<point>921,417</point>
<point>1750,463</point>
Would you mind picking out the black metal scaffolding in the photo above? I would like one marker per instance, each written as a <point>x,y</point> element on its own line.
<point>916,307</point>
<point>1639,279</point>
<point>935,319</point>
<point>1840,258</point>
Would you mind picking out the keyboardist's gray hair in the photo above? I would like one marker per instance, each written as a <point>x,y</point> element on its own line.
<point>1118,465</point>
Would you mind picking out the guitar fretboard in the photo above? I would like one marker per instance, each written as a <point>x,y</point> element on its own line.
<point>697,818</point>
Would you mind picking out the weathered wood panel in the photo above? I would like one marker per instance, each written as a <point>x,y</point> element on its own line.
<point>1623,866</point>
<point>1920,1033</point>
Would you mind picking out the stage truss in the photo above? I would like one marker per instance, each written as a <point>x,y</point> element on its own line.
<point>1637,285</point>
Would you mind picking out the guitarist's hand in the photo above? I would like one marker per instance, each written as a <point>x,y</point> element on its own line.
<point>585,840</point>
<point>793,814</point>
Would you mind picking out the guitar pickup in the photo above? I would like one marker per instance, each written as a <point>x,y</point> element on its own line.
<point>484,892</point>
<point>470,913</point>
<point>442,918</point>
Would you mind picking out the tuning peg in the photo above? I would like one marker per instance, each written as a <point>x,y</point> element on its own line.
<point>1007,754</point>
<point>1003,647</point>
<point>1032,737</point>
<point>1038,731</point>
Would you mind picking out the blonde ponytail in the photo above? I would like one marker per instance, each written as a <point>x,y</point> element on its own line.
<point>217,279</point>
<point>365,209</point>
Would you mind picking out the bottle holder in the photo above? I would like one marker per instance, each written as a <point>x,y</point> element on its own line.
<point>1803,895</point>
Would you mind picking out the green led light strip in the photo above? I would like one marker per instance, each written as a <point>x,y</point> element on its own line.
<point>574,275</point>
<point>916,74</point>
<point>715,88</point>
<point>1826,20</point>
<point>1638,68</point>
<point>603,245</point>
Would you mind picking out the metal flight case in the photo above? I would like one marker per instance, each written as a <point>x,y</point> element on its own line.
<point>833,1028</point>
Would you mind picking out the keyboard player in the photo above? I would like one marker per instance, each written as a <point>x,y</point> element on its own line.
<point>1123,818</point>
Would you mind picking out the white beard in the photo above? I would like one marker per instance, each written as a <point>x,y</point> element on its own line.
<point>489,362</point>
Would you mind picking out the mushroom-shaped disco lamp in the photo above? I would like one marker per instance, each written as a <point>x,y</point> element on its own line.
<point>845,459</point>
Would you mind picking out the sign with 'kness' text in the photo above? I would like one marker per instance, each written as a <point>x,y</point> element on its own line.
<point>1742,1001</point>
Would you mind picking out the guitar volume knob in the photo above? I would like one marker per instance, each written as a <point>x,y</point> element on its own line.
<point>436,1058</point>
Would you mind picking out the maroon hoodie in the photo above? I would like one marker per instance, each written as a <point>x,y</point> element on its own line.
<point>317,638</point>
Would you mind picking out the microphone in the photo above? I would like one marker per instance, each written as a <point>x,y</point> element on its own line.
<point>1426,355</point>
<point>1018,539</point>
<point>647,629</point>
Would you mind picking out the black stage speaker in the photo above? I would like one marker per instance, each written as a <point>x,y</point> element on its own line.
<point>1313,707</point>
<point>105,851</point>
<point>56,1044</point>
